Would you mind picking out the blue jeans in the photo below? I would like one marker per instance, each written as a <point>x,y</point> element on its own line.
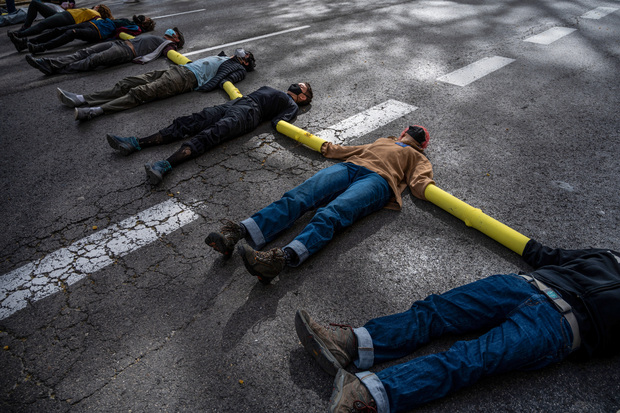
<point>345,192</point>
<point>522,328</point>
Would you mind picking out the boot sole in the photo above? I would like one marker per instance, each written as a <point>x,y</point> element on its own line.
<point>214,240</point>
<point>263,279</point>
<point>152,177</point>
<point>315,346</point>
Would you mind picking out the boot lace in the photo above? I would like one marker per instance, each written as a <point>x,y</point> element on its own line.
<point>360,406</point>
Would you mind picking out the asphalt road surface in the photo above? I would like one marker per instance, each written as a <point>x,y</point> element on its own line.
<point>110,300</point>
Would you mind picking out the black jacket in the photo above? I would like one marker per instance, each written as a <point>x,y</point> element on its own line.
<point>589,280</point>
<point>230,70</point>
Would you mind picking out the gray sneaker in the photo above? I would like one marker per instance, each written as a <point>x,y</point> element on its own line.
<point>224,241</point>
<point>87,113</point>
<point>350,395</point>
<point>333,347</point>
<point>266,265</point>
<point>69,99</point>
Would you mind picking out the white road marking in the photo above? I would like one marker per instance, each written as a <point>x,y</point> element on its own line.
<point>475,71</point>
<point>550,36</point>
<point>366,121</point>
<point>178,14</point>
<point>598,13</point>
<point>245,40</point>
<point>66,266</point>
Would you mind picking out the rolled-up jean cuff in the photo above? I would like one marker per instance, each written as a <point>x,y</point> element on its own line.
<point>301,251</point>
<point>365,350</point>
<point>376,389</point>
<point>254,235</point>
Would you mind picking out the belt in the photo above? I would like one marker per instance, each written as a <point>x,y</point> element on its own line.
<point>561,305</point>
<point>130,45</point>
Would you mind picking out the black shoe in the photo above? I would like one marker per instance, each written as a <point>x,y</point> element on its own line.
<point>224,241</point>
<point>265,265</point>
<point>35,48</point>
<point>19,43</point>
<point>40,64</point>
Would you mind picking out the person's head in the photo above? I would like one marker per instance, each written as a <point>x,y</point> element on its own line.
<point>104,11</point>
<point>301,93</point>
<point>245,58</point>
<point>145,23</point>
<point>416,136</point>
<point>176,36</point>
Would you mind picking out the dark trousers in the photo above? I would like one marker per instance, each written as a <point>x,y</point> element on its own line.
<point>100,54</point>
<point>215,125</point>
<point>56,20</point>
<point>38,7</point>
<point>60,36</point>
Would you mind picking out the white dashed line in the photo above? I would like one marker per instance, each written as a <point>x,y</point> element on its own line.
<point>475,71</point>
<point>598,13</point>
<point>550,36</point>
<point>66,266</point>
<point>366,121</point>
<point>178,14</point>
<point>245,40</point>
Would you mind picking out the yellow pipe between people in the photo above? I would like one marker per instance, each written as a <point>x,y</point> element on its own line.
<point>173,55</point>
<point>232,91</point>
<point>475,218</point>
<point>300,135</point>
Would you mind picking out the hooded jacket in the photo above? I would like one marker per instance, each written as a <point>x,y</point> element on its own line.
<point>589,280</point>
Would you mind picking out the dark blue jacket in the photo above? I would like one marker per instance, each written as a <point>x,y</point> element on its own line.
<point>275,105</point>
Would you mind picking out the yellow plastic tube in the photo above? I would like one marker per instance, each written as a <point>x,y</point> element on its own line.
<point>177,57</point>
<point>173,55</point>
<point>475,218</point>
<point>300,135</point>
<point>232,91</point>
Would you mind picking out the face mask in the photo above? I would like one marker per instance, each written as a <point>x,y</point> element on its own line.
<point>240,53</point>
<point>294,88</point>
<point>170,32</point>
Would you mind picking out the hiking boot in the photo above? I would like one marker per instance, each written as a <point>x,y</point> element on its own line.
<point>125,146</point>
<point>266,265</point>
<point>40,64</point>
<point>19,43</point>
<point>224,241</point>
<point>350,395</point>
<point>87,113</point>
<point>333,347</point>
<point>69,99</point>
<point>155,172</point>
<point>35,48</point>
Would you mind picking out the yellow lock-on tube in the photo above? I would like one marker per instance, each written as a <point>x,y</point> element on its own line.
<point>173,55</point>
<point>300,135</point>
<point>232,91</point>
<point>475,218</point>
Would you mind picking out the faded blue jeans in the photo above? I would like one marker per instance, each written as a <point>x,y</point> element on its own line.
<point>521,330</point>
<point>343,193</point>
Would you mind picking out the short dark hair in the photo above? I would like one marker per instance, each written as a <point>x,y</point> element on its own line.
<point>146,23</point>
<point>308,94</point>
<point>181,41</point>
